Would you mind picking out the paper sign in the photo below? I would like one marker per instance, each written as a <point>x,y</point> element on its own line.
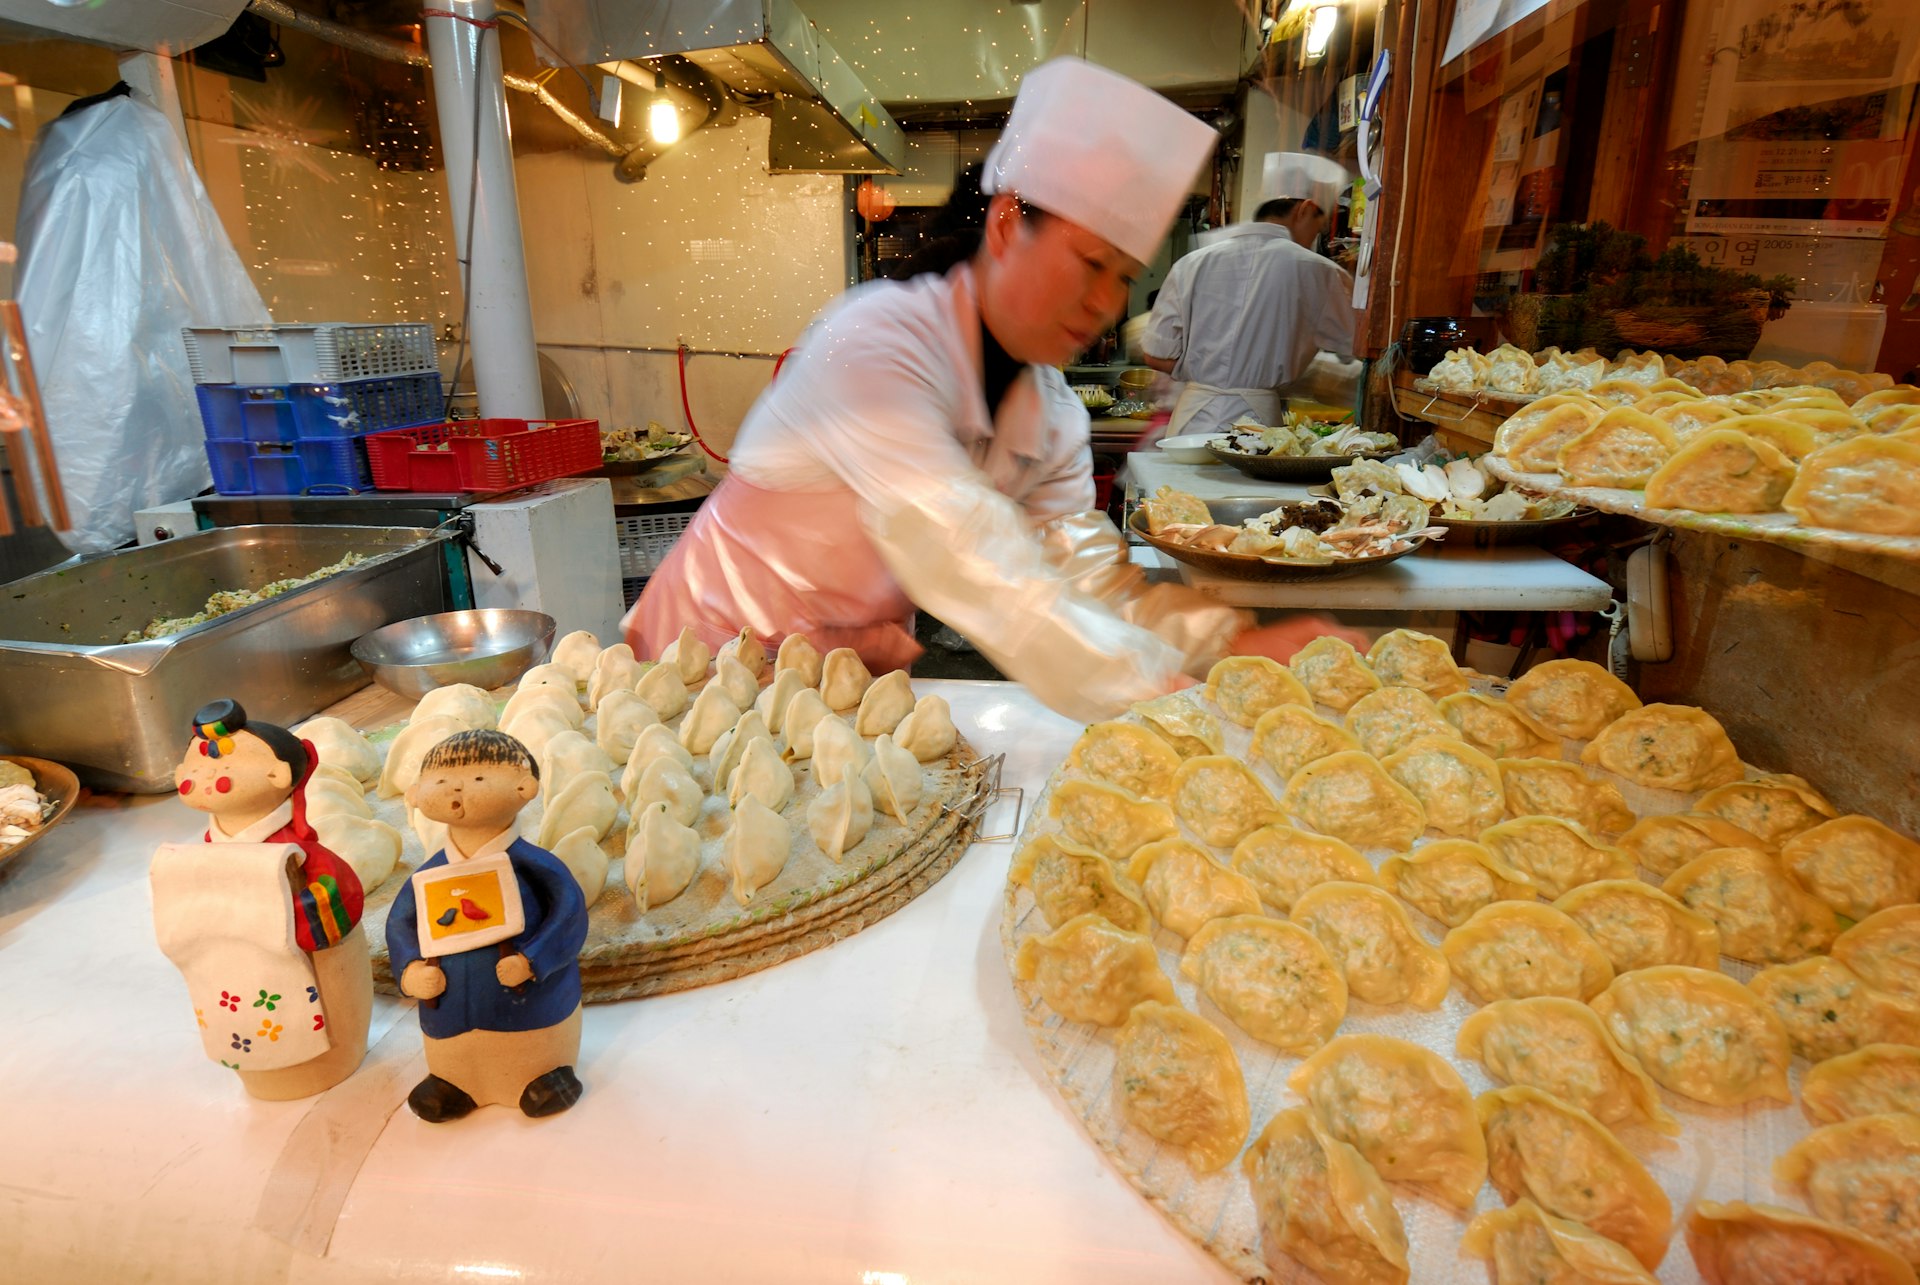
<point>467,904</point>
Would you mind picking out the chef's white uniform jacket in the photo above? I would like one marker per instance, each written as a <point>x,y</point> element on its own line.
<point>870,478</point>
<point>1242,318</point>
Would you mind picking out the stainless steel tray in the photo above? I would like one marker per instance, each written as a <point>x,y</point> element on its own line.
<point>1292,468</point>
<point>117,713</point>
<point>1247,566</point>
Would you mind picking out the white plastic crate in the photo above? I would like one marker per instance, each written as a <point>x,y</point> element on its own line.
<point>317,354</point>
<point>645,541</point>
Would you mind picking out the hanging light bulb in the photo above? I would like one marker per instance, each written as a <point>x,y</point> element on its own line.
<point>1321,22</point>
<point>663,122</point>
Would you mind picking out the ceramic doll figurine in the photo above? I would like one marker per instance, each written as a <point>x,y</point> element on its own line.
<point>488,939</point>
<point>260,918</point>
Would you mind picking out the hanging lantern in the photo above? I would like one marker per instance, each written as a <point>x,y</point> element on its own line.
<point>874,202</point>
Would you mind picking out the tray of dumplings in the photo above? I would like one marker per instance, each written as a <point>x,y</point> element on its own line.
<point>1366,968</point>
<point>722,812</point>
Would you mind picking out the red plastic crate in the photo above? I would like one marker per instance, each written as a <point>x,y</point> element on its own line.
<point>482,454</point>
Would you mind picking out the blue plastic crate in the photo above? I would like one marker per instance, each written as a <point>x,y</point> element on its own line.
<point>289,468</point>
<point>318,412</point>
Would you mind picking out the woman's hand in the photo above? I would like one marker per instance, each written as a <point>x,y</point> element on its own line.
<point>1280,640</point>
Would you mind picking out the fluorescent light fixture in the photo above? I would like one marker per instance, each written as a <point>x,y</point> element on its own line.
<point>1320,26</point>
<point>663,122</point>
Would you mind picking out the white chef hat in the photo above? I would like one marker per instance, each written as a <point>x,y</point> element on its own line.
<point>1106,152</point>
<point>1302,176</point>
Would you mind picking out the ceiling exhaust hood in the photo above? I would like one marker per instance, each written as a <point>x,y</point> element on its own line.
<point>824,119</point>
<point>155,26</point>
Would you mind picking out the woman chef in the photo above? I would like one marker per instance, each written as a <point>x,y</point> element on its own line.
<point>919,447</point>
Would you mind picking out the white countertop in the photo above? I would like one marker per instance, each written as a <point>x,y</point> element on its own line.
<point>868,1114</point>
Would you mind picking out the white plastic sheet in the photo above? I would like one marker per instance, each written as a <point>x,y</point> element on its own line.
<point>120,248</point>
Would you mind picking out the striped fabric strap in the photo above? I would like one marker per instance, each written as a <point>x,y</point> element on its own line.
<point>320,905</point>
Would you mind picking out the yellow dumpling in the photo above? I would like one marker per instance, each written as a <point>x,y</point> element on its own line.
<point>1585,411</point>
<point>1519,949</point>
<point>1497,728</point>
<point>1665,843</point>
<point>1869,484</point>
<point>1321,1205</point>
<point>1773,808</point>
<point>1221,799</point>
<point>1245,687</point>
<point>1722,471</point>
<point>1556,854</point>
<point>1333,672</point>
<point>1109,820</point>
<point>1185,887</point>
<point>1616,391</point>
<point>1623,449</point>
<point>1179,1081</point>
<point>1763,914</point>
<point>1741,1244</point>
<point>1828,1010</point>
<point>1863,1174</point>
<point>1666,747</point>
<point>1869,1081</point>
<point>1698,1033</point>
<point>1292,736</point>
<point>1638,926</point>
<point>1687,418</point>
<point>1171,507</point>
<point>1560,1046</point>
<point>1181,724</point>
<point>1368,935</point>
<point>1790,437</point>
<point>1283,863</point>
<point>1272,978</point>
<point>1855,864</point>
<point>1884,948</point>
<point>1524,1242</point>
<point>1087,970</point>
<point>1068,881</point>
<point>1351,797</point>
<point>1898,395</point>
<point>1571,698</point>
<point>1450,879</point>
<point>1393,718</point>
<point>1406,658</point>
<point>1537,449</point>
<point>1555,788</point>
<point>1457,785</point>
<point>1126,755</point>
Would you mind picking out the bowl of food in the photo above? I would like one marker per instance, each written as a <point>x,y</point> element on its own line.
<point>1259,538</point>
<point>35,795</point>
<point>488,648</point>
<point>1190,449</point>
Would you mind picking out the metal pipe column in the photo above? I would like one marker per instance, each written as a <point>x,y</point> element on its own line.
<point>467,88</point>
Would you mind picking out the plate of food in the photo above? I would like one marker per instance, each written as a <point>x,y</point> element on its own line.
<point>635,445</point>
<point>1299,450</point>
<point>35,795</point>
<point>1257,538</point>
<point>1095,397</point>
<point>1461,497</point>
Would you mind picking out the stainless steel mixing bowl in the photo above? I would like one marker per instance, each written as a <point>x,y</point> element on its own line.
<point>488,648</point>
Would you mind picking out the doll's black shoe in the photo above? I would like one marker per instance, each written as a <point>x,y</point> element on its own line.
<point>436,1101</point>
<point>552,1093</point>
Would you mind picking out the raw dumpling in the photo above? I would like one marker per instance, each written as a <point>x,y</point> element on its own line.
<point>1320,1204</point>
<point>762,775</point>
<point>803,716</point>
<point>798,653</point>
<point>558,677</point>
<point>731,746</point>
<point>1638,926</point>
<point>337,774</point>
<point>614,670</point>
<point>1496,728</point>
<point>462,702</point>
<point>1289,737</point>
<point>1333,672</point>
<point>1558,856</point>
<point>1869,1081</point>
<point>1520,949</point>
<point>740,686</point>
<point>1245,687</point>
<point>840,816</point>
<point>1572,1166</point>
<point>1181,724</point>
<point>1452,878</point>
<point>1571,698</point>
<point>1525,1243</point>
<point>1068,880</point>
<point>1554,788</point>
<point>662,687</point>
<point>1180,1082</point>
<point>586,800</point>
<point>1510,369</point>
<point>535,726</point>
<point>1393,718</point>
<point>893,777</point>
<point>1773,808</point>
<point>1272,978</point>
<point>329,795</point>
<point>1665,843</point>
<point>580,852</point>
<point>928,732</point>
<point>844,679</point>
<point>1742,1244</point>
<point>886,702</point>
<point>713,712</point>
<point>772,703</point>
<point>1855,864</point>
<point>1828,1010</point>
<point>1559,1045</point>
<point>1126,755</point>
<point>1088,970</point>
<point>838,752</point>
<point>432,834</point>
<point>1221,799</point>
<point>1367,933</point>
<point>1624,448</point>
<point>1283,863</point>
<point>688,657</point>
<point>338,742</point>
<point>756,847</point>
<point>1699,1033</point>
<point>371,847</point>
<point>1863,1174</point>
<point>1666,747</point>
<point>1460,371</point>
<point>662,857</point>
<point>1867,484</point>
<point>619,719</point>
<point>1457,785</point>
<point>402,767</point>
<point>1108,819</point>
<point>655,741</point>
<point>1763,914</point>
<point>1185,887</point>
<point>1406,658</point>
<point>568,755</point>
<point>550,698</point>
<point>669,781</point>
<point>1402,1108</point>
<point>1884,948</point>
<point>576,653</point>
<point>744,649</point>
<point>1723,471</point>
<point>1351,797</point>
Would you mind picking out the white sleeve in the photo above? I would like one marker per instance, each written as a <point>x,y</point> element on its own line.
<point>1166,335</point>
<point>1337,321</point>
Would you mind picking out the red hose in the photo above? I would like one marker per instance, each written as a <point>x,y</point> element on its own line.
<point>778,362</point>
<point>686,407</point>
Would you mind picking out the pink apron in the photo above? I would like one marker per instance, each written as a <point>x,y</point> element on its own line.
<point>779,563</point>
